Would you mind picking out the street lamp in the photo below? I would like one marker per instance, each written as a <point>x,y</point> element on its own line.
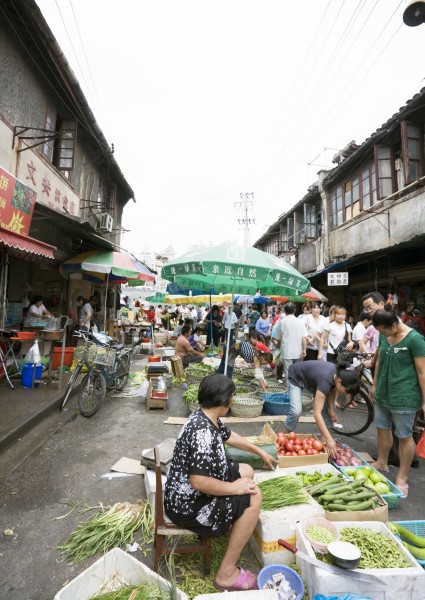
<point>414,13</point>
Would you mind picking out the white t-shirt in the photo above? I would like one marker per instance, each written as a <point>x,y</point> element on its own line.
<point>359,332</point>
<point>314,327</point>
<point>232,318</point>
<point>336,334</point>
<point>34,312</point>
<point>290,333</point>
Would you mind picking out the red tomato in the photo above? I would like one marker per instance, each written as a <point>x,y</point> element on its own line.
<point>317,445</point>
<point>309,442</point>
<point>288,453</point>
<point>290,446</point>
<point>292,435</point>
<point>302,452</point>
<point>309,451</point>
<point>315,451</point>
<point>280,436</point>
<point>297,447</point>
<point>293,454</point>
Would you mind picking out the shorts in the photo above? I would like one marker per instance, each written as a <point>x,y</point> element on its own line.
<point>239,505</point>
<point>403,423</point>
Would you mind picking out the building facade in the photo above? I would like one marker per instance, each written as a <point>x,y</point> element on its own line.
<point>364,218</point>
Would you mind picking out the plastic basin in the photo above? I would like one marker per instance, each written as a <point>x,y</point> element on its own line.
<point>291,577</point>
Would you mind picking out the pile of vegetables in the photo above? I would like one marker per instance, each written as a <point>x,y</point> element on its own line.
<point>414,543</point>
<point>338,494</point>
<point>374,478</point>
<point>377,550</point>
<point>201,367</point>
<point>282,491</point>
<point>108,529</point>
<point>142,591</point>
<point>345,456</point>
<point>314,478</point>
<point>320,534</point>
<point>292,445</point>
<point>190,396</point>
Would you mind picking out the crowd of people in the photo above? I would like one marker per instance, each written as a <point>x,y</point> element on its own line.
<point>209,494</point>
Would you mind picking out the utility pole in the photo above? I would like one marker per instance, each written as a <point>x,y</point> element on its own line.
<point>246,204</point>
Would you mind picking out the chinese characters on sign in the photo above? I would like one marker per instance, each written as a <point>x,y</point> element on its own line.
<point>337,278</point>
<point>16,204</point>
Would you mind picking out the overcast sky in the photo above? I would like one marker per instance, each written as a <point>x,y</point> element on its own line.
<point>205,100</point>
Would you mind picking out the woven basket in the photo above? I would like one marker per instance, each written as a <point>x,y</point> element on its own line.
<point>246,407</point>
<point>191,406</point>
<point>195,376</point>
<point>276,404</point>
<point>307,399</point>
<point>272,385</point>
<point>249,373</point>
<point>245,389</point>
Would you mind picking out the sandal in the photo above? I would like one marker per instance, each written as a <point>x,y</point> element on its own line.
<point>403,487</point>
<point>247,580</point>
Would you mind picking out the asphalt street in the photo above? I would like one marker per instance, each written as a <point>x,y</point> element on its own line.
<point>67,459</point>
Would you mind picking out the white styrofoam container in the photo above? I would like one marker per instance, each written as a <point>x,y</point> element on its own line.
<point>247,595</point>
<point>323,469</point>
<point>116,562</point>
<point>150,487</point>
<point>279,524</point>
<point>400,584</point>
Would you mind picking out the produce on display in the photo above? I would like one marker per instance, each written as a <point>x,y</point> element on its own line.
<point>142,591</point>
<point>320,534</point>
<point>338,494</point>
<point>109,529</point>
<point>345,456</point>
<point>314,478</point>
<point>282,491</point>
<point>375,479</point>
<point>190,396</point>
<point>377,550</point>
<point>414,543</point>
<point>290,445</point>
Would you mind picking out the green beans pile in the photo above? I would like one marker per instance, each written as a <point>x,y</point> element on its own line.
<point>377,551</point>
<point>282,491</point>
<point>142,591</point>
<point>190,396</point>
<point>320,534</point>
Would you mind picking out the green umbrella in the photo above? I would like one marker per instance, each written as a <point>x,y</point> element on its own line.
<point>238,269</point>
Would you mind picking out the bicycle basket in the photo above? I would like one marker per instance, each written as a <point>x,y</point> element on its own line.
<point>104,356</point>
<point>80,353</point>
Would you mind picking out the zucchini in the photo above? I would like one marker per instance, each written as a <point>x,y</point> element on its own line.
<point>409,536</point>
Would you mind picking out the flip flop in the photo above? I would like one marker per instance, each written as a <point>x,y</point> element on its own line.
<point>385,471</point>
<point>247,580</point>
<point>404,487</point>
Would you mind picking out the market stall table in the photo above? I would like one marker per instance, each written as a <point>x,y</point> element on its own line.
<point>7,354</point>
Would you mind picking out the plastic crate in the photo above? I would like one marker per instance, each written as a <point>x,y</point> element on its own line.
<point>276,404</point>
<point>393,498</point>
<point>416,527</point>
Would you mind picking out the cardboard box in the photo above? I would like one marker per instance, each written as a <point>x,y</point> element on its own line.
<point>115,563</point>
<point>374,514</point>
<point>398,584</point>
<point>299,461</point>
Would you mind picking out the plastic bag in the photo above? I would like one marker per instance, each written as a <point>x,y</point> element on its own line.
<point>144,389</point>
<point>420,447</point>
<point>33,354</point>
<point>51,325</point>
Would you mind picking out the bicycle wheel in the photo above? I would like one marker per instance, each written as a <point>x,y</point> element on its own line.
<point>353,417</point>
<point>71,385</point>
<point>123,369</point>
<point>91,393</point>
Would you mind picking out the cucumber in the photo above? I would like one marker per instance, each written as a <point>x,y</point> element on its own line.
<point>359,496</point>
<point>320,487</point>
<point>365,505</point>
<point>417,552</point>
<point>336,506</point>
<point>409,536</point>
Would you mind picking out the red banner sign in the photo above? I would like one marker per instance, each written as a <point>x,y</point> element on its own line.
<point>17,203</point>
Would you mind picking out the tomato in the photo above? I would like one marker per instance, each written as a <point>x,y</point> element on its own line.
<point>302,452</point>
<point>292,435</point>
<point>309,442</point>
<point>293,454</point>
<point>297,447</point>
<point>280,437</point>
<point>317,445</point>
<point>315,451</point>
<point>309,452</point>
<point>290,446</point>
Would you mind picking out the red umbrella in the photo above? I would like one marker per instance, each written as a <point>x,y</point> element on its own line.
<point>315,295</point>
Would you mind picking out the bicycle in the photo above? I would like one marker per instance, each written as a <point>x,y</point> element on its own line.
<point>355,414</point>
<point>92,389</point>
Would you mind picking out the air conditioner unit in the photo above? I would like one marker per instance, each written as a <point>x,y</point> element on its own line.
<point>106,222</point>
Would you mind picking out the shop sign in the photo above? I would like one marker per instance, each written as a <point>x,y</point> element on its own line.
<point>338,278</point>
<point>52,190</point>
<point>17,203</point>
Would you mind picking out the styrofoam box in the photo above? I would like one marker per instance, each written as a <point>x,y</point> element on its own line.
<point>247,595</point>
<point>150,487</point>
<point>279,524</point>
<point>398,584</point>
<point>116,562</point>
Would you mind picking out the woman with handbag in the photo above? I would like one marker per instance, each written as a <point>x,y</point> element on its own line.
<point>337,334</point>
<point>398,390</point>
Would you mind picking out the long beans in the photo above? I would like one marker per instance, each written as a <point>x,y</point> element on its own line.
<point>107,529</point>
<point>282,491</point>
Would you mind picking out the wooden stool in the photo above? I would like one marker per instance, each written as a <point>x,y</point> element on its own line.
<point>164,528</point>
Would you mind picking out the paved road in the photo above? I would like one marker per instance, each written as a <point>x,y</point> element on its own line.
<point>64,461</point>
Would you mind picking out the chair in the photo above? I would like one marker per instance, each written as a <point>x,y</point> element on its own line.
<point>164,527</point>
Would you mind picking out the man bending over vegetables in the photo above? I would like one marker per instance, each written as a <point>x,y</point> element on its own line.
<point>328,380</point>
<point>209,494</point>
